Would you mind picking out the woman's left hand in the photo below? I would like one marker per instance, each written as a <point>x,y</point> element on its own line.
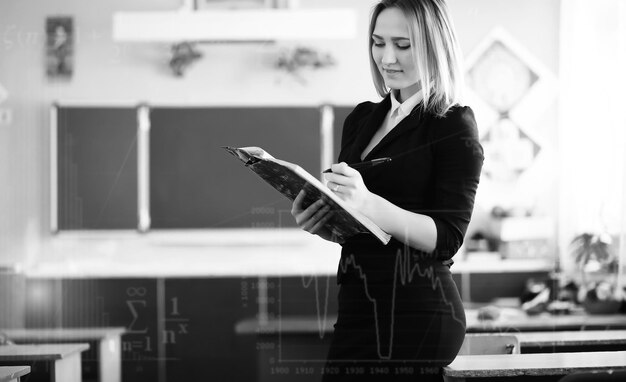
<point>347,183</point>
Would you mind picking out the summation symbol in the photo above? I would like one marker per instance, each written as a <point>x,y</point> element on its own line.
<point>136,305</point>
<point>133,305</point>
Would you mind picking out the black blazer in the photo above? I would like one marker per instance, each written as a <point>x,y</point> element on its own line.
<point>435,170</point>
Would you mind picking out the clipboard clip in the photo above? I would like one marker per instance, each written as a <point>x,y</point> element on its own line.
<point>252,160</point>
<point>246,158</point>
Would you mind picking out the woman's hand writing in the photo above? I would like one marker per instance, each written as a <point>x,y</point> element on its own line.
<point>348,184</point>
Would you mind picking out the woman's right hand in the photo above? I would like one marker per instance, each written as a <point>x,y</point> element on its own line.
<point>312,219</point>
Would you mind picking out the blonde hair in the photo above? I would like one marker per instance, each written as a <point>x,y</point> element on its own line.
<point>435,49</point>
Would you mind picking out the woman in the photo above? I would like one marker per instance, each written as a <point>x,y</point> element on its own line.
<point>400,314</point>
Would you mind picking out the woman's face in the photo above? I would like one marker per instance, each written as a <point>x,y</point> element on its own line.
<point>392,53</point>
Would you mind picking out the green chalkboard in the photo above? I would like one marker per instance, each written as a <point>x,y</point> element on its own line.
<point>340,114</point>
<point>96,168</point>
<point>194,183</point>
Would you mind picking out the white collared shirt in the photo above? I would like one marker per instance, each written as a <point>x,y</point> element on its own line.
<point>399,111</point>
<point>396,114</point>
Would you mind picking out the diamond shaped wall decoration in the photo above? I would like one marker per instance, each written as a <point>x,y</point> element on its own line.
<point>500,77</point>
<point>509,90</point>
<point>509,151</point>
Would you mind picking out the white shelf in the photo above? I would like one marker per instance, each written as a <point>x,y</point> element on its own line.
<point>213,253</point>
<point>234,25</point>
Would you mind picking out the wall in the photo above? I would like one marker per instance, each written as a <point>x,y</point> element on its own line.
<point>106,72</point>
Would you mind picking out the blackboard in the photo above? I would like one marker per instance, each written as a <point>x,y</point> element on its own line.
<point>340,114</point>
<point>194,183</point>
<point>96,168</point>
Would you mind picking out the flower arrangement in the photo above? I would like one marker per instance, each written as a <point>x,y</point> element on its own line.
<point>183,55</point>
<point>595,258</point>
<point>296,59</point>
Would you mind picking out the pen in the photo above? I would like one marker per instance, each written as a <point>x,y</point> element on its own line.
<point>366,164</point>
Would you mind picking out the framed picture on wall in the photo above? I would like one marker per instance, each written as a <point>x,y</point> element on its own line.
<point>59,47</point>
<point>239,4</point>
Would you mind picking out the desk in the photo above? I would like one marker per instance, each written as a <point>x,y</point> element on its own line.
<point>515,320</point>
<point>563,341</point>
<point>105,363</point>
<point>287,325</point>
<point>307,330</point>
<point>13,373</point>
<point>51,362</point>
<point>535,365</point>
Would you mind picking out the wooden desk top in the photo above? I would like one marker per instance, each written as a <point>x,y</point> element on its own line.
<point>41,352</point>
<point>9,373</point>
<point>64,334</point>
<point>510,365</point>
<point>572,338</point>
<point>512,320</point>
<point>289,324</point>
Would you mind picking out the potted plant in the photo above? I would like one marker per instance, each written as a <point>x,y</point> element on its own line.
<point>597,262</point>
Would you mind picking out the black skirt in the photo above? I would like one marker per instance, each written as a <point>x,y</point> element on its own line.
<point>400,324</point>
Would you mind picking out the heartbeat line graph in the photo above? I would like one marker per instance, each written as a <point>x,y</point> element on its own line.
<point>405,271</point>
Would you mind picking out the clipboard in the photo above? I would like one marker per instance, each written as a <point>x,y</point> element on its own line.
<point>289,179</point>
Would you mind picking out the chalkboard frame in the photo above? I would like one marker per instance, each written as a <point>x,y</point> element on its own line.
<point>327,154</point>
